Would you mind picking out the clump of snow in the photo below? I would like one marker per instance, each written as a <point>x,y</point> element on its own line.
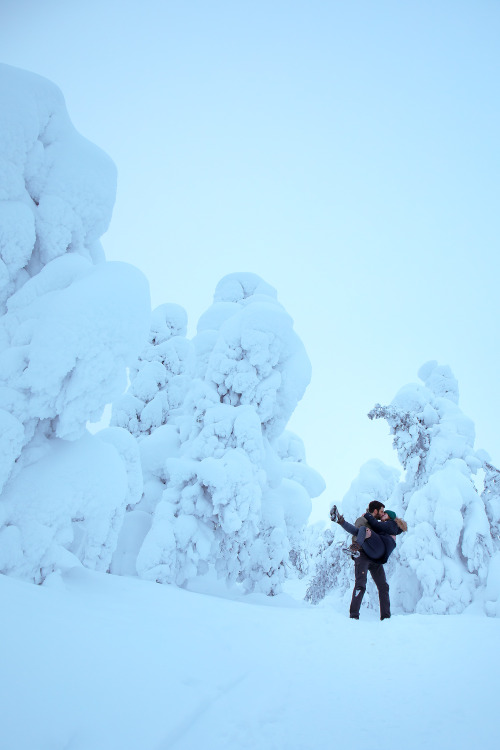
<point>160,378</point>
<point>256,357</point>
<point>72,331</point>
<point>63,509</point>
<point>375,481</point>
<point>440,380</point>
<point>243,288</point>
<point>291,451</point>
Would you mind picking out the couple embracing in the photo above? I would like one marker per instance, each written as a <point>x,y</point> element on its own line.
<point>374,539</point>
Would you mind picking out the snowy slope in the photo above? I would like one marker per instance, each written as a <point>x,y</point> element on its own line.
<point>97,662</point>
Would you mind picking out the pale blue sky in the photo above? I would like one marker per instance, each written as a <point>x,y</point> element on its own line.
<point>347,152</point>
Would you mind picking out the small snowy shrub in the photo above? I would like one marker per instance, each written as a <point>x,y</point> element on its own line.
<point>491,499</point>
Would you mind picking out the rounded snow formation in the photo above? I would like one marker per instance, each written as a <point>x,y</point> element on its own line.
<point>57,189</point>
<point>251,353</point>
<point>238,287</point>
<point>375,481</point>
<point>440,380</point>
<point>166,321</point>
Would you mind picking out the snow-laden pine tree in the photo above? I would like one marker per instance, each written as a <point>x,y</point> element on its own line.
<point>70,324</point>
<point>491,499</point>
<point>334,573</point>
<point>238,493</point>
<point>330,566</point>
<point>444,557</point>
<point>150,411</point>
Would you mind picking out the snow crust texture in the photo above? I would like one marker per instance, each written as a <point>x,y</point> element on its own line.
<point>70,324</point>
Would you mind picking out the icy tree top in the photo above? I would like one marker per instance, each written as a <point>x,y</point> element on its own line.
<point>375,481</point>
<point>167,320</point>
<point>45,163</point>
<point>239,287</point>
<point>440,380</point>
<point>70,323</point>
<point>248,349</point>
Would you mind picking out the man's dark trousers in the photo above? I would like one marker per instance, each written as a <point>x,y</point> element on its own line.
<point>362,565</point>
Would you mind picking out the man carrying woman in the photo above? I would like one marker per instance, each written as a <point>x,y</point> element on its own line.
<point>375,538</point>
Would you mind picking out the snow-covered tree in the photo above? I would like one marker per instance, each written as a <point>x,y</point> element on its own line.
<point>70,324</point>
<point>411,439</point>
<point>331,572</point>
<point>239,491</point>
<point>491,499</point>
<point>444,557</point>
<point>150,410</point>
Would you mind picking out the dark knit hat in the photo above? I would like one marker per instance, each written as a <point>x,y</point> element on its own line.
<point>391,514</point>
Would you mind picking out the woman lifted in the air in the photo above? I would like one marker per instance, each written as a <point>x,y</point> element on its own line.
<point>377,539</point>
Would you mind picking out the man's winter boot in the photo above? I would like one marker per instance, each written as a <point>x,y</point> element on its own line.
<point>335,515</point>
<point>354,553</point>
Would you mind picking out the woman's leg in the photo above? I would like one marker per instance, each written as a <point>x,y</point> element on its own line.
<point>374,546</point>
<point>358,533</point>
<point>361,535</point>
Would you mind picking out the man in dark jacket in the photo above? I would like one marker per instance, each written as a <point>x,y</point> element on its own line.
<point>363,564</point>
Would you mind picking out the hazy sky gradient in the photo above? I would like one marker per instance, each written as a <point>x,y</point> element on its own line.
<point>347,152</point>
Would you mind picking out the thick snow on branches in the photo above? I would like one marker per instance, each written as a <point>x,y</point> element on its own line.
<point>70,323</point>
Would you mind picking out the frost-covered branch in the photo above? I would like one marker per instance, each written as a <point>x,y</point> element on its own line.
<point>411,437</point>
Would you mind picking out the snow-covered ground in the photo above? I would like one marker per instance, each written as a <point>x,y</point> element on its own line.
<point>97,662</point>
